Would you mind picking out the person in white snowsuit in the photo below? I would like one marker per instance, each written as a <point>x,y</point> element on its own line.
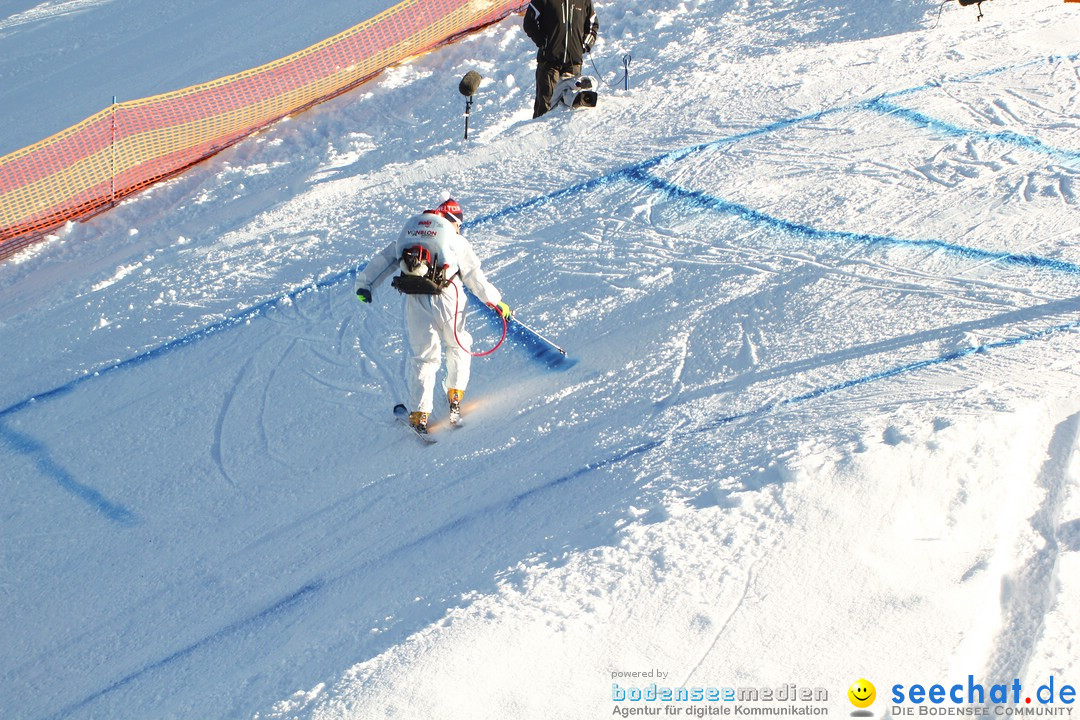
<point>434,260</point>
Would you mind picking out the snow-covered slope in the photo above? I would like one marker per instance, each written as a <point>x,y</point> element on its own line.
<point>817,271</point>
<point>64,60</point>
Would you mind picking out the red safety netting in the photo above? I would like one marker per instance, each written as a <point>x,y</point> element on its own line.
<point>90,166</point>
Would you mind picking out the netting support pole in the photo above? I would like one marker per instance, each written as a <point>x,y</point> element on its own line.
<point>112,152</point>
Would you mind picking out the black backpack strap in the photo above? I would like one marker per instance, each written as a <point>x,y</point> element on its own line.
<point>415,285</point>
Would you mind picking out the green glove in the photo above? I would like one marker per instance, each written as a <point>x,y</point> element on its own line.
<point>363,295</point>
<point>504,310</point>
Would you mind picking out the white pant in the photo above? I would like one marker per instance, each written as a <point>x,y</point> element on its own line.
<point>429,327</point>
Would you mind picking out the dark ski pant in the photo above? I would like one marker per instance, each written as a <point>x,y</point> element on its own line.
<point>547,77</point>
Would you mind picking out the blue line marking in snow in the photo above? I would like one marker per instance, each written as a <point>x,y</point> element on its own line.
<point>537,346</point>
<point>877,104</point>
<point>49,467</point>
<point>269,613</point>
<point>628,172</point>
<point>540,350</point>
<point>1049,60</point>
<point>811,395</point>
<point>585,470</point>
<point>757,217</point>
<point>1006,136</point>
<point>890,373</point>
<point>229,321</point>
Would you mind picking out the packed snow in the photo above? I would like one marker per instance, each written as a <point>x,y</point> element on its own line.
<point>816,269</point>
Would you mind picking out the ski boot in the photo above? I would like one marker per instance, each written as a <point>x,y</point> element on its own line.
<point>418,421</point>
<point>454,397</point>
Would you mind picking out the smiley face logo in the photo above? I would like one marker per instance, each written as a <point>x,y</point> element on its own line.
<point>862,693</point>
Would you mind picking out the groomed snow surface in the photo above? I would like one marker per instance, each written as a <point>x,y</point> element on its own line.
<point>817,271</point>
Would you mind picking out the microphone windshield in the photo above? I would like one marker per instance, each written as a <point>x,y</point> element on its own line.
<point>469,83</point>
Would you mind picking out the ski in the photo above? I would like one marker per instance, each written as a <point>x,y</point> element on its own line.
<point>402,414</point>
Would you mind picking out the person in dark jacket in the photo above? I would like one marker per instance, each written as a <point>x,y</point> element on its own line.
<point>564,31</point>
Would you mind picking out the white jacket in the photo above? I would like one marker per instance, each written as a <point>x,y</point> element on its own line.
<point>464,264</point>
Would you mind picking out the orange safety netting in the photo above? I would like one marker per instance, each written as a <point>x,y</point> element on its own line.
<point>91,165</point>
